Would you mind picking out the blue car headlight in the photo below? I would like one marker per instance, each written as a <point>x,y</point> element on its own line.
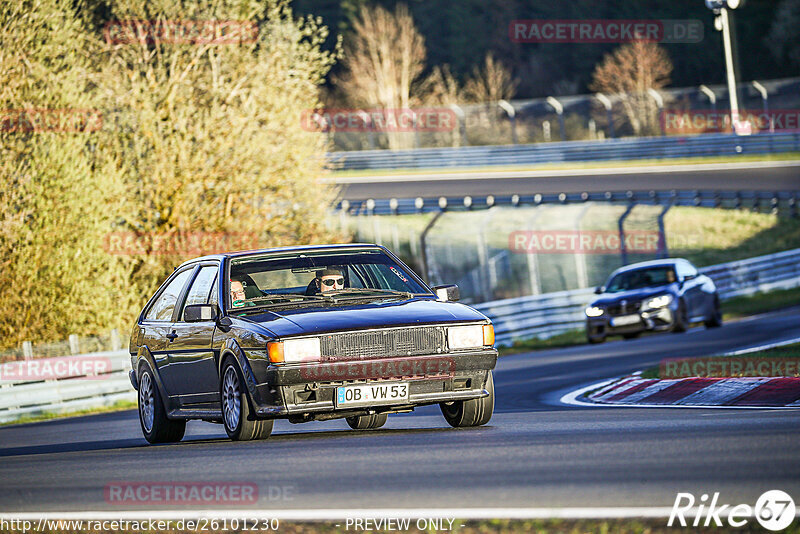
<point>659,301</point>
<point>594,311</point>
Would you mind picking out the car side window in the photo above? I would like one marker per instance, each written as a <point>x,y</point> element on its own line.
<point>213,296</point>
<point>198,293</point>
<point>162,308</point>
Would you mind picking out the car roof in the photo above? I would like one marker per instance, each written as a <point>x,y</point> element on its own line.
<point>666,262</point>
<point>302,248</point>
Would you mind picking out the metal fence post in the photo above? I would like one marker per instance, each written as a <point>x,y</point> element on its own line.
<point>663,250</point>
<point>422,250</point>
<point>116,341</point>
<point>27,350</point>
<point>621,226</point>
<point>580,256</point>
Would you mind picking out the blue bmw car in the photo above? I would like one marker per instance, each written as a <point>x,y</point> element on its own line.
<point>659,295</point>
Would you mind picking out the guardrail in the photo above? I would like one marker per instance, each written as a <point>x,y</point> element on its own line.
<point>554,313</point>
<point>571,151</point>
<point>62,387</point>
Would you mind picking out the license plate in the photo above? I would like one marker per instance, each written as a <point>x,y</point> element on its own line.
<point>371,394</point>
<point>625,320</point>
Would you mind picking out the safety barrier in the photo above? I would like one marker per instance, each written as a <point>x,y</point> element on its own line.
<point>709,145</point>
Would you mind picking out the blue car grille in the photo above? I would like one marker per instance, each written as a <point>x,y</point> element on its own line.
<point>627,308</point>
<point>413,341</point>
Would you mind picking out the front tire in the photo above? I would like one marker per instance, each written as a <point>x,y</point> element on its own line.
<point>156,427</point>
<point>715,321</point>
<point>240,425</point>
<point>367,422</point>
<point>473,412</point>
<point>681,323</point>
<point>596,340</point>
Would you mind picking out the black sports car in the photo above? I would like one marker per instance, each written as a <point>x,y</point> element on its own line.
<point>306,333</point>
<point>652,296</point>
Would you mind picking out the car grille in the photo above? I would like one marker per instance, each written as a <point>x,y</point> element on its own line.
<point>624,309</point>
<point>414,341</point>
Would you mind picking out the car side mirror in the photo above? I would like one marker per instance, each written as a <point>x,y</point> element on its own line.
<point>195,313</point>
<point>449,293</point>
<point>599,291</point>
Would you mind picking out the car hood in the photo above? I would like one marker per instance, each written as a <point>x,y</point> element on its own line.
<point>414,312</point>
<point>633,295</point>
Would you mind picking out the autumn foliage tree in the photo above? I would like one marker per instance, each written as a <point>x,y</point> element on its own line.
<point>198,136</point>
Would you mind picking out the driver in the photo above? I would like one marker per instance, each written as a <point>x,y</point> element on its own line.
<point>329,280</point>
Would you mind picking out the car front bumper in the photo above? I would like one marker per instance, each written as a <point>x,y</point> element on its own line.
<point>654,320</point>
<point>307,391</point>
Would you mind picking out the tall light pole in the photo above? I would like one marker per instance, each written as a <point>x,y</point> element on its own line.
<point>721,8</point>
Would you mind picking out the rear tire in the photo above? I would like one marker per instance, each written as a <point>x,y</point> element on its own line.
<point>596,340</point>
<point>715,321</point>
<point>681,320</point>
<point>633,335</point>
<point>473,412</point>
<point>156,426</point>
<point>367,422</point>
<point>237,417</point>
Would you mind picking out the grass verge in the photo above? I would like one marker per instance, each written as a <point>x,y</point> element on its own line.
<point>116,407</point>
<point>486,526</point>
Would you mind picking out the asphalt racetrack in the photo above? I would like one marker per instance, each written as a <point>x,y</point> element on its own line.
<point>753,176</point>
<point>535,452</point>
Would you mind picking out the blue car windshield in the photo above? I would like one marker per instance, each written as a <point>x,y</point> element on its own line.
<point>258,278</point>
<point>641,278</point>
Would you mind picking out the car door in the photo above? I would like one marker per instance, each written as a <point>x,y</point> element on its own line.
<point>156,323</point>
<point>192,366</point>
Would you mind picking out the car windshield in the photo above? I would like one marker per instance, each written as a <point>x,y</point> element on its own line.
<point>312,277</point>
<point>641,278</point>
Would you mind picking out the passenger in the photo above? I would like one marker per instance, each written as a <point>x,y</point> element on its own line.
<point>237,294</point>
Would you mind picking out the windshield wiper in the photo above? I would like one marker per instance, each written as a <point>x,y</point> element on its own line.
<point>285,299</point>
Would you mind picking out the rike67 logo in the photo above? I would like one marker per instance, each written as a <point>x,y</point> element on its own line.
<point>774,510</point>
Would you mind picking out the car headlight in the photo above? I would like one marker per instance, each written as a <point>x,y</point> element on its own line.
<point>294,350</point>
<point>466,337</point>
<point>594,311</point>
<point>659,302</point>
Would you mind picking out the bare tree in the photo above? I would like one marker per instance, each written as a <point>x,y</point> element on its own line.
<point>630,71</point>
<point>383,59</point>
<point>490,82</point>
